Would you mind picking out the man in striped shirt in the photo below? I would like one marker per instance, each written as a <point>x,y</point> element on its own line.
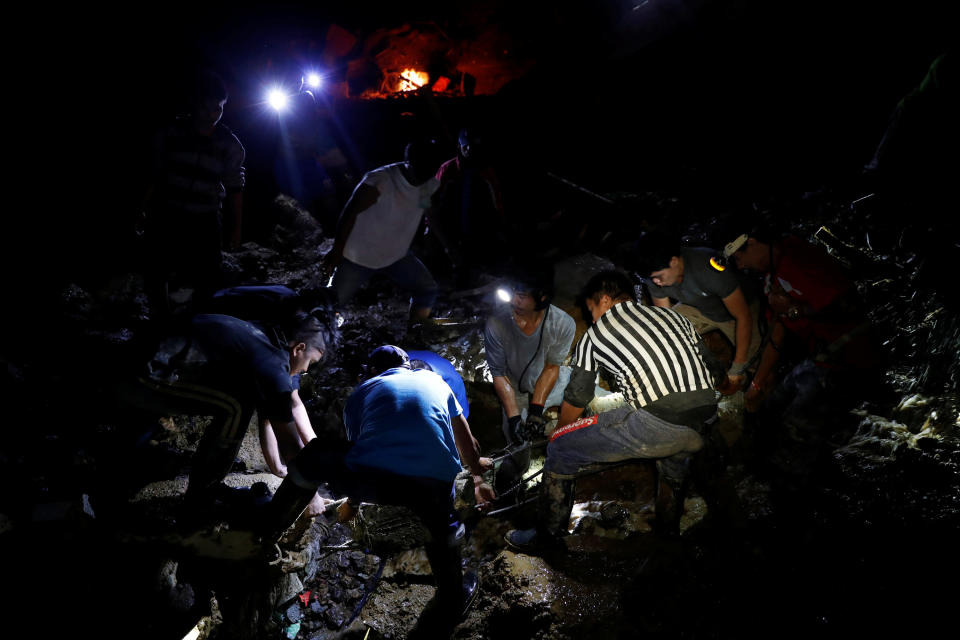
<point>657,361</point>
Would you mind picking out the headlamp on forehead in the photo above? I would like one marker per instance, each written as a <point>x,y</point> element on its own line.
<point>504,293</point>
<point>725,259</point>
<point>734,246</point>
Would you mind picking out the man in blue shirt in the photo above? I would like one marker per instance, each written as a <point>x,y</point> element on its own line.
<point>406,434</point>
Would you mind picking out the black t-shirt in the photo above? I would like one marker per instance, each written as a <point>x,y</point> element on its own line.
<point>705,284</point>
<point>242,360</point>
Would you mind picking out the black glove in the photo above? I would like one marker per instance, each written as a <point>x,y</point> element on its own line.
<point>532,429</point>
<point>514,425</point>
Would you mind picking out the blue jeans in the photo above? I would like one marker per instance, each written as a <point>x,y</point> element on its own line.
<point>408,272</point>
<point>621,434</point>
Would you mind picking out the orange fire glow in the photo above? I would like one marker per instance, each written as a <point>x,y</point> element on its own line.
<point>411,80</point>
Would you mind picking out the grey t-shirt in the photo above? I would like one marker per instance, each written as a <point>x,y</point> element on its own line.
<point>704,286</point>
<point>509,349</point>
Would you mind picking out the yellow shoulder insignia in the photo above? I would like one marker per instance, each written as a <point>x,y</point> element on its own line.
<point>716,265</point>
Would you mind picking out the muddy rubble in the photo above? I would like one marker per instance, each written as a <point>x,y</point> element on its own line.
<point>858,548</point>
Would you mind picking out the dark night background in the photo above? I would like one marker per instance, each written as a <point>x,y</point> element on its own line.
<point>726,101</point>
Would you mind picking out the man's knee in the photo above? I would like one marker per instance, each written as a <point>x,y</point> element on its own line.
<point>693,441</point>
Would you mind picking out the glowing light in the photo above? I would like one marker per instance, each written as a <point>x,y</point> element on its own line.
<point>314,79</point>
<point>504,295</point>
<point>277,99</point>
<point>411,79</point>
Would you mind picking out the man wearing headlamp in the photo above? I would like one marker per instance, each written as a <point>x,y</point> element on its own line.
<point>526,343</point>
<point>708,293</point>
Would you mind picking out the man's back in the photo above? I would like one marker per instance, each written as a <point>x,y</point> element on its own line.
<point>399,421</point>
<point>445,369</point>
<point>651,351</point>
<point>240,356</point>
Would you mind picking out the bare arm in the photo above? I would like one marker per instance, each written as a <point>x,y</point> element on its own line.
<point>661,302</point>
<point>467,445</point>
<point>507,395</point>
<point>568,414</point>
<point>736,304</point>
<point>469,450</point>
<point>771,353</point>
<point>545,383</point>
<point>271,449</point>
<point>301,419</point>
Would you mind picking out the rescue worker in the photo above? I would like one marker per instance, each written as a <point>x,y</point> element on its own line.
<point>406,438</point>
<point>708,293</point>
<point>657,361</point>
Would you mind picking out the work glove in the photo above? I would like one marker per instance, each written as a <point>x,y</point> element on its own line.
<point>514,425</point>
<point>532,428</point>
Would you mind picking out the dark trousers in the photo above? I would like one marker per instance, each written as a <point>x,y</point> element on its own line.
<point>221,440</point>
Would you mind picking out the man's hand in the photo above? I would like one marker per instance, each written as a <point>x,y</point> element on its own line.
<point>486,464</point>
<point>533,428</point>
<point>731,385</point>
<point>483,493</point>
<point>316,506</point>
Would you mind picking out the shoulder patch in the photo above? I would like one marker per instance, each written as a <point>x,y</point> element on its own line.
<point>717,265</point>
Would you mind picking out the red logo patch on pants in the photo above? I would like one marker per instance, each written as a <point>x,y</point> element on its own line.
<point>573,426</point>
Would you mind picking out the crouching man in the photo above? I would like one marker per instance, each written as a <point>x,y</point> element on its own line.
<point>405,429</point>
<point>228,368</point>
<point>656,359</point>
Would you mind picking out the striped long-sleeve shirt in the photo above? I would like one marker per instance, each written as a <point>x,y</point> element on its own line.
<point>651,352</point>
<point>193,173</point>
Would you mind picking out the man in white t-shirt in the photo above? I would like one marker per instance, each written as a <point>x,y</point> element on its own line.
<point>378,225</point>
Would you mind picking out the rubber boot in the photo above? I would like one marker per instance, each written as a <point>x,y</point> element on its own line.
<point>709,476</point>
<point>672,487</point>
<point>456,591</point>
<point>445,563</point>
<point>556,503</point>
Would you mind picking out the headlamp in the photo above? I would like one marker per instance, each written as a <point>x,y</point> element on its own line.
<point>277,99</point>
<point>734,246</point>
<point>724,259</point>
<point>314,79</point>
<point>504,294</point>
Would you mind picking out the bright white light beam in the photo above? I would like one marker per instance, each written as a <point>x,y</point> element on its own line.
<point>277,99</point>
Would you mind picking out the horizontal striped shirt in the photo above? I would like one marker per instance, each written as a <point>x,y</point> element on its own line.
<point>194,172</point>
<point>651,352</point>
